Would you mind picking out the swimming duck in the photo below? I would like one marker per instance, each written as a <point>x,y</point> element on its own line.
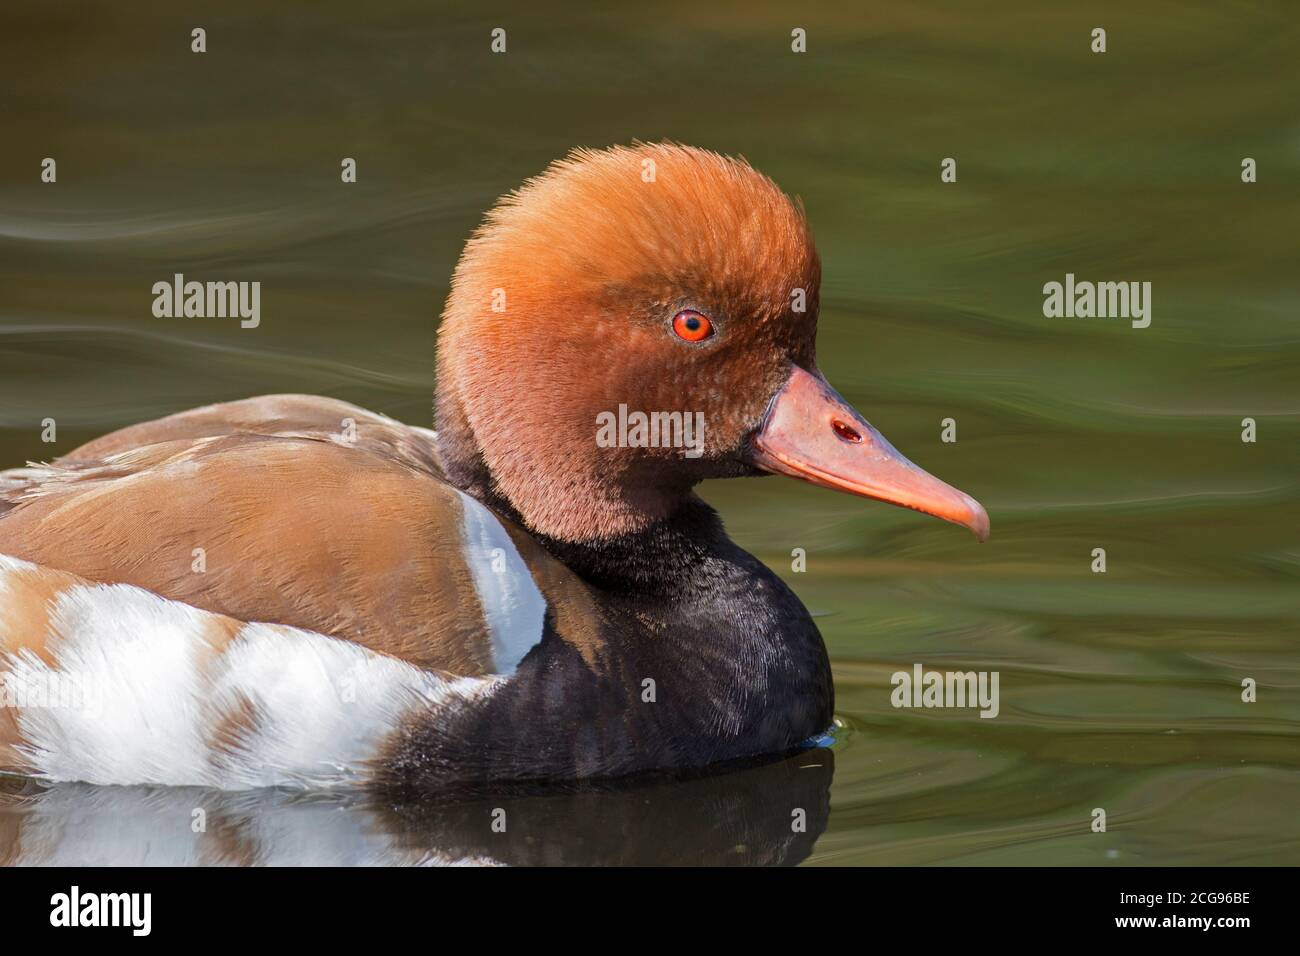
<point>294,591</point>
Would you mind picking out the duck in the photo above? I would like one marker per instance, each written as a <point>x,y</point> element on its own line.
<point>293,591</point>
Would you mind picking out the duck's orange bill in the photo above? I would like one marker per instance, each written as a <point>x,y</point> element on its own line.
<point>810,432</point>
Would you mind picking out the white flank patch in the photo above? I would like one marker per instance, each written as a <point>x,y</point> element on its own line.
<point>323,706</point>
<point>512,605</point>
<point>8,564</point>
<point>152,694</point>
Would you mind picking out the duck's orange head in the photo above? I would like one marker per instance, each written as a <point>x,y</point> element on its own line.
<point>635,320</point>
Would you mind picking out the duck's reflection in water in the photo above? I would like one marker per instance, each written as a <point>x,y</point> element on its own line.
<point>770,814</point>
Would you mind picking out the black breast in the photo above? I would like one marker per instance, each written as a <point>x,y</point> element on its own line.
<point>701,655</point>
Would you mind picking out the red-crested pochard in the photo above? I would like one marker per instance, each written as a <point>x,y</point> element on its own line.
<point>533,591</point>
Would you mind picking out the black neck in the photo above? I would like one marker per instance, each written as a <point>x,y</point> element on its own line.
<point>655,561</point>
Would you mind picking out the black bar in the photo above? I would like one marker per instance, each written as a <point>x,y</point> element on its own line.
<point>330,905</point>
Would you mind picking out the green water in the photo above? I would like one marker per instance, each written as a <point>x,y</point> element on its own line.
<point>1119,690</point>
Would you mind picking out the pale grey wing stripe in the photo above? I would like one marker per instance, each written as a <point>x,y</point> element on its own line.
<point>513,607</point>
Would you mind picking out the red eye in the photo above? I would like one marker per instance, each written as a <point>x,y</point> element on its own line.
<point>692,326</point>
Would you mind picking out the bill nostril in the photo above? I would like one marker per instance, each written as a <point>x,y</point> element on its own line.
<point>845,432</point>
